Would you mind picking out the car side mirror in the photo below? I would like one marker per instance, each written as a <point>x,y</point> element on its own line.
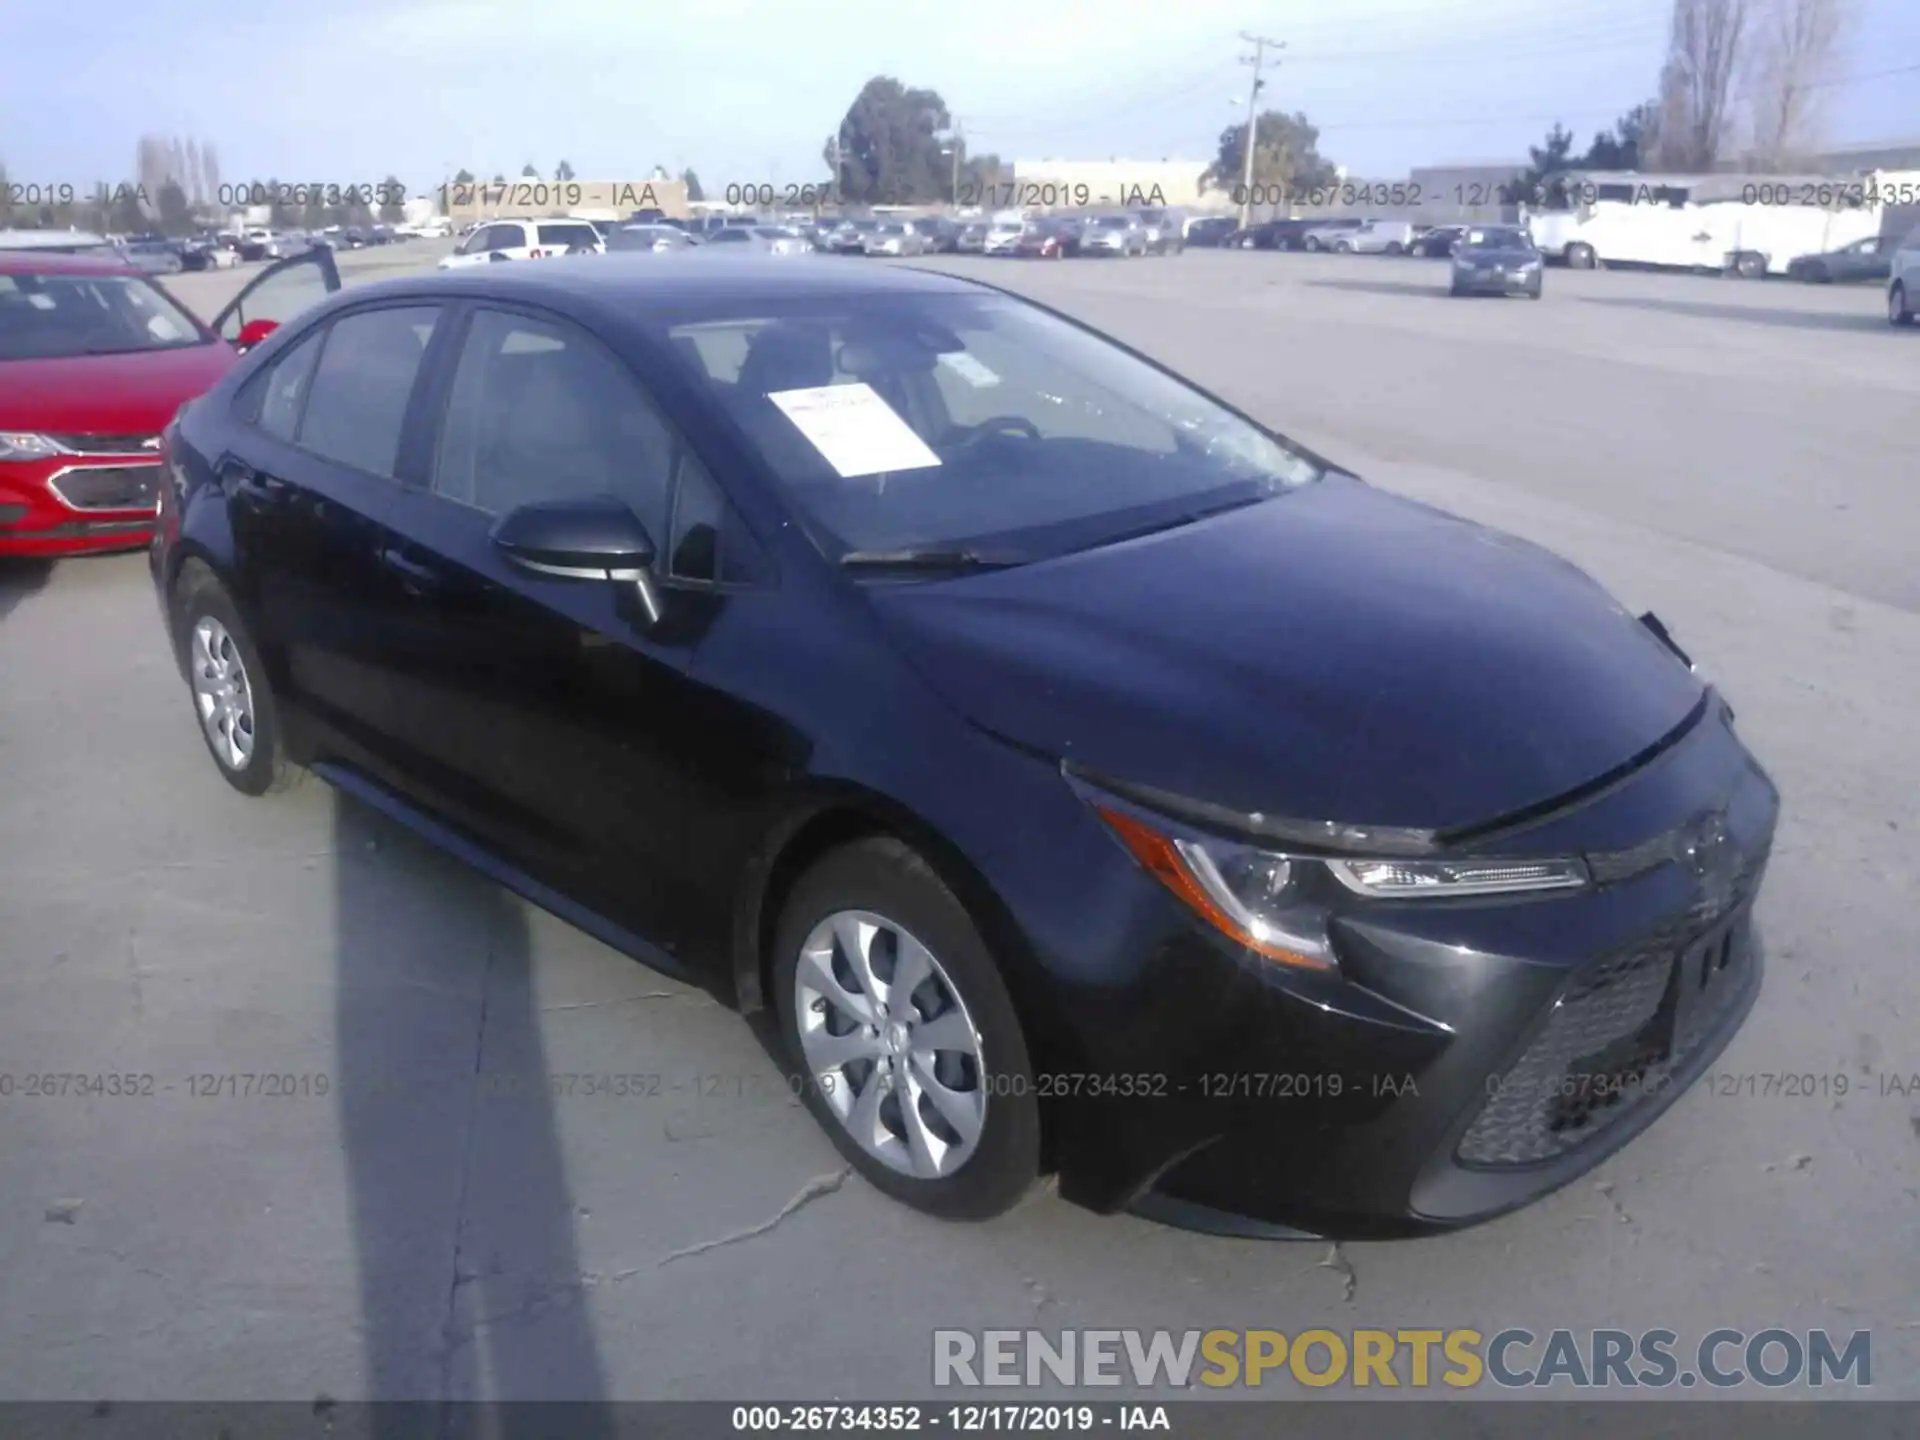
<point>595,538</point>
<point>253,332</point>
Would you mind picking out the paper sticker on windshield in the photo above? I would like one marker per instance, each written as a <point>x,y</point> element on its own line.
<point>856,430</point>
<point>968,369</point>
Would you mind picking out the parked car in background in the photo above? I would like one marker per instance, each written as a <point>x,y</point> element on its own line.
<point>1118,235</point>
<point>95,359</point>
<point>1497,260</point>
<point>654,239</point>
<point>896,237</point>
<point>972,238</point>
<point>153,257</point>
<point>1003,234</point>
<point>1375,237</point>
<point>1321,234</point>
<point>942,234</point>
<point>1438,242</point>
<point>1903,280</point>
<point>936,720</point>
<point>849,237</point>
<point>501,240</point>
<point>1868,259</point>
<point>1046,238</point>
<point>757,239</point>
<point>1166,230</point>
<point>1211,231</point>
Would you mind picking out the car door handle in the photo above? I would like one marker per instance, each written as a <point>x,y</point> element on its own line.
<point>415,578</point>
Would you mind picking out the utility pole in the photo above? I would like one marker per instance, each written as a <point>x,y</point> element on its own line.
<point>1260,44</point>
<point>959,142</point>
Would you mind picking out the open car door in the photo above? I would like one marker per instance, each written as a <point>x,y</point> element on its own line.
<point>276,295</point>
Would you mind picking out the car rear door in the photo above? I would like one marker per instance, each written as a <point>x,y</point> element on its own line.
<point>310,480</point>
<point>540,714</point>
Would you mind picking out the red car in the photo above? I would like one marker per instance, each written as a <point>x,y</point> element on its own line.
<point>95,358</point>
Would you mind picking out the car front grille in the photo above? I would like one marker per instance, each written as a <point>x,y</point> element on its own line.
<point>108,487</point>
<point>108,444</point>
<point>1618,1034</point>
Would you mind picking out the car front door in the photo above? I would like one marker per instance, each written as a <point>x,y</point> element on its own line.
<point>547,716</point>
<point>309,480</point>
<point>276,295</point>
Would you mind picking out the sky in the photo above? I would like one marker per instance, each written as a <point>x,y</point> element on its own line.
<point>745,91</point>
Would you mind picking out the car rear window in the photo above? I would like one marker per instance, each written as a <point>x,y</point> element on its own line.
<point>560,235</point>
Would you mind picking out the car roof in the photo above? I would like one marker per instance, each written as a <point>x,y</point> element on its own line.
<point>622,280</point>
<point>56,262</point>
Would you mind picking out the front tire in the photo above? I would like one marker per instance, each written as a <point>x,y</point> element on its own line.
<point>232,699</point>
<point>896,1019</point>
<point>1897,311</point>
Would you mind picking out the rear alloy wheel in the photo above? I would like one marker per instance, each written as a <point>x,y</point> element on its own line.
<point>1580,256</point>
<point>900,1027</point>
<point>1341,247</point>
<point>231,697</point>
<point>1394,247</point>
<point>1897,312</point>
<point>1749,266</point>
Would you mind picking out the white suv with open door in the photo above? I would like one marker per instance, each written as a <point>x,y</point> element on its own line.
<point>498,240</point>
<point>1903,281</point>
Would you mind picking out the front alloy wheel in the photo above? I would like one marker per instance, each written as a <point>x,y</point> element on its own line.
<point>902,1032</point>
<point>222,694</point>
<point>889,1044</point>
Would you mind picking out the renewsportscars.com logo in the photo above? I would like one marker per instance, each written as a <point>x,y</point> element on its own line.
<point>1460,1359</point>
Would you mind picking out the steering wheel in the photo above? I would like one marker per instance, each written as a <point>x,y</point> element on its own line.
<point>967,436</point>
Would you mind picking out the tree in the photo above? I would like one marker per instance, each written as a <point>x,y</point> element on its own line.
<point>499,178</point>
<point>563,171</point>
<point>123,213</point>
<point>176,214</point>
<point>692,182</point>
<point>393,207</point>
<point>1620,147</point>
<point>463,176</point>
<point>887,149</point>
<point>527,172</point>
<point>1794,43</point>
<point>1704,48</point>
<point>1286,156</point>
<point>1543,161</point>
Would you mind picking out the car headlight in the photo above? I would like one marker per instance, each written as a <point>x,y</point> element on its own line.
<point>1411,879</point>
<point>22,445</point>
<point>1277,902</point>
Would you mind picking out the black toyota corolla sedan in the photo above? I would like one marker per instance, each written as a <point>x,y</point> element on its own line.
<point>1496,260</point>
<point>1088,780</point>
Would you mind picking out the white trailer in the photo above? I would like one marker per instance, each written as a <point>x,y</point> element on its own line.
<point>1750,225</point>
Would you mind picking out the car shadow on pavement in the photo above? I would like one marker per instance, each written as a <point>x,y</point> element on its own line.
<point>470,1279</point>
<point>1385,287</point>
<point>19,579</point>
<point>1873,320</point>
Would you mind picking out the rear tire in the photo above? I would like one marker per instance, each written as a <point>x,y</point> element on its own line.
<point>1750,266</point>
<point>1394,247</point>
<point>879,897</point>
<point>1897,311</point>
<point>1580,256</point>
<point>239,720</point>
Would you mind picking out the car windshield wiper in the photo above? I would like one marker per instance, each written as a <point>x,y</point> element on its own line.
<point>951,559</point>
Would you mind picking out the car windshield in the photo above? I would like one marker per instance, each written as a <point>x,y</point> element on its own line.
<point>44,317</point>
<point>1111,222</point>
<point>936,423</point>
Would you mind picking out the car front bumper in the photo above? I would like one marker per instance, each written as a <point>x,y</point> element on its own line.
<point>1467,1057</point>
<point>1497,282</point>
<point>73,505</point>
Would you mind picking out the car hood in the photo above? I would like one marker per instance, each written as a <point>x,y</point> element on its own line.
<point>1334,654</point>
<point>108,394</point>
